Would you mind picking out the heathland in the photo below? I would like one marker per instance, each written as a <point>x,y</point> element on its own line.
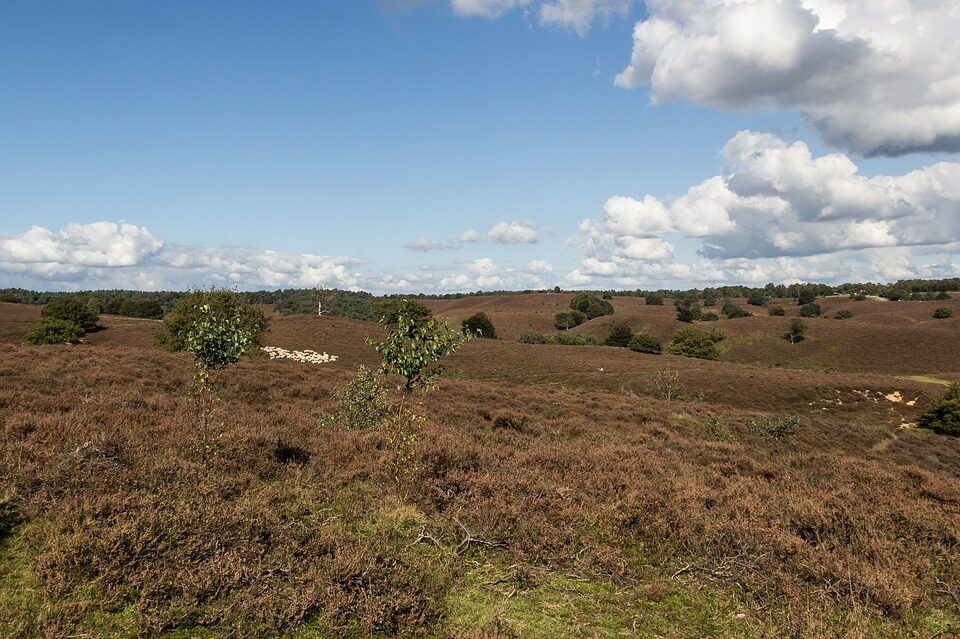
<point>783,489</point>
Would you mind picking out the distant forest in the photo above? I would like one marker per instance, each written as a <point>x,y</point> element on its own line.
<point>363,306</point>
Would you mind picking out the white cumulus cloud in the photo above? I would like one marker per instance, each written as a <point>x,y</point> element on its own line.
<point>877,78</point>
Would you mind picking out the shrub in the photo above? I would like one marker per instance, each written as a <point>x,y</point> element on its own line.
<point>530,336</point>
<point>944,415</point>
<point>620,335</point>
<point>566,320</point>
<point>775,310</point>
<point>806,295</point>
<point>709,316</point>
<point>654,299</point>
<point>796,328</point>
<point>858,297</point>
<point>709,297</point>
<point>222,305</point>
<point>942,295</point>
<point>363,404</point>
<point>576,339</point>
<point>717,335</point>
<point>843,314</point>
<point>810,310</point>
<point>480,324</point>
<point>693,342</point>
<point>591,305</point>
<point>74,308</point>
<point>732,311</point>
<point>942,313</point>
<point>389,312</point>
<point>757,298</point>
<point>779,428</point>
<point>644,343</point>
<point>688,309</point>
<point>54,331</point>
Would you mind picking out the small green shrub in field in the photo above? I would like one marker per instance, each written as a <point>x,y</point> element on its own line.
<point>858,297</point>
<point>76,309</point>
<point>693,342</point>
<point>480,324</point>
<point>709,316</point>
<point>530,336</point>
<point>688,308</point>
<point>942,313</point>
<point>796,329</point>
<point>843,314</point>
<point>717,335</point>
<point>644,343</point>
<point>363,404</point>
<point>620,335</point>
<point>810,310</point>
<point>654,299</point>
<point>575,339</point>
<point>732,311</point>
<point>775,310</point>
<point>777,427</point>
<point>591,305</point>
<point>54,331</point>
<point>944,415</point>
<point>942,295</point>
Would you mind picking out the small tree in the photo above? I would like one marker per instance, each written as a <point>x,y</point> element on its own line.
<point>775,310</point>
<point>806,295</point>
<point>222,305</point>
<point>215,343</point>
<point>566,320</point>
<point>591,305</point>
<point>809,310</point>
<point>796,328</point>
<point>389,312</point>
<point>843,314</point>
<point>620,335</point>
<point>943,415</point>
<point>942,313</point>
<point>413,349</point>
<point>732,311</point>
<point>480,324</point>
<point>693,342</point>
<point>688,309</point>
<point>654,299</point>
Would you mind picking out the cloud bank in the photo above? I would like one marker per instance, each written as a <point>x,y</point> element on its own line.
<point>876,78</point>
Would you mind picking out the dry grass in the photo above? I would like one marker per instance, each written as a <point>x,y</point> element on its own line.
<point>550,500</point>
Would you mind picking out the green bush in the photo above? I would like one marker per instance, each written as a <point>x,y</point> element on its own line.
<point>620,335</point>
<point>732,311</point>
<point>810,310</point>
<point>858,297</point>
<point>779,428</point>
<point>566,320</point>
<point>81,311</point>
<point>644,343</point>
<point>530,336</point>
<point>942,313</point>
<point>217,342</point>
<point>806,295</point>
<point>575,339</point>
<point>709,316</point>
<point>942,295</point>
<point>688,308</point>
<point>363,404</point>
<point>389,312</point>
<point>944,415</point>
<point>654,299</point>
<point>591,305</point>
<point>54,331</point>
<point>480,324</point>
<point>775,310</point>
<point>843,314</point>
<point>693,342</point>
<point>757,298</point>
<point>223,304</point>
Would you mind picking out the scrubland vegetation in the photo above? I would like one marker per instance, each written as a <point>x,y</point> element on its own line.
<point>664,479</point>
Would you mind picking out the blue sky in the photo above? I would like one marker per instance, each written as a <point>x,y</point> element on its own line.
<point>234,139</point>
